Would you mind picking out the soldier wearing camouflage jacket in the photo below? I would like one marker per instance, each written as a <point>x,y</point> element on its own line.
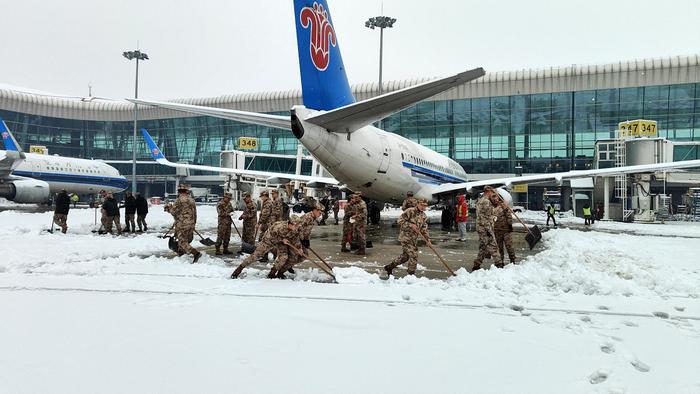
<point>347,226</point>
<point>485,220</point>
<point>360,224</point>
<point>413,224</point>
<point>249,218</point>
<point>265,214</point>
<point>274,241</point>
<point>224,209</point>
<point>503,231</point>
<point>304,227</point>
<point>184,210</point>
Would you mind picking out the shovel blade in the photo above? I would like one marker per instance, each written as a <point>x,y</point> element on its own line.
<point>247,248</point>
<point>207,242</point>
<point>533,236</point>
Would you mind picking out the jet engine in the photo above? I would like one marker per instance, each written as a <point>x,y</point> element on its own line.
<point>507,197</point>
<point>25,191</point>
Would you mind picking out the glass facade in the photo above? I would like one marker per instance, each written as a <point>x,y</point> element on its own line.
<point>548,132</point>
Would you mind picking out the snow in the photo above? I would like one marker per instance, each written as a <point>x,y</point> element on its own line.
<point>595,311</point>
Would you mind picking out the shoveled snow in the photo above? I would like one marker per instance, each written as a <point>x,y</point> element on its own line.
<point>593,312</point>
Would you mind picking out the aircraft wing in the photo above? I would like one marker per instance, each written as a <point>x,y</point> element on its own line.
<point>278,121</point>
<point>560,176</point>
<point>354,116</point>
<point>12,156</point>
<point>273,177</point>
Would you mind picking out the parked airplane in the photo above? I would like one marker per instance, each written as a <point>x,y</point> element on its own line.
<point>338,131</point>
<point>30,178</point>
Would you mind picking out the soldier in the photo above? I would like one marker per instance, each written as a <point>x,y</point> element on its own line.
<point>411,222</point>
<point>325,201</point>
<point>409,202</point>
<point>360,224</point>
<point>336,209</point>
<point>184,210</point>
<point>129,212</point>
<point>141,212</point>
<point>304,227</point>
<point>485,220</point>
<point>347,225</point>
<point>249,218</point>
<point>224,209</point>
<point>111,212</point>
<point>503,230</point>
<point>273,240</point>
<point>265,214</point>
<point>60,214</point>
<point>277,211</point>
<point>103,213</point>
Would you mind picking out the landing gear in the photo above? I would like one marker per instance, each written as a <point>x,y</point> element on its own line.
<point>375,210</point>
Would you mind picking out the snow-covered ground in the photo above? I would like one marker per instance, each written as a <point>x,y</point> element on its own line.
<point>593,312</point>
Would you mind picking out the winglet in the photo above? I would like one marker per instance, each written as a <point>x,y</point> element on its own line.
<point>8,139</point>
<point>152,147</point>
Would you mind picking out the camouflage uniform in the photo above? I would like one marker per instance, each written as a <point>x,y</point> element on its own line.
<point>503,230</point>
<point>184,210</point>
<point>347,226</point>
<point>276,211</point>
<point>223,232</point>
<point>304,227</point>
<point>409,238</point>
<point>265,217</point>
<point>336,209</point>
<point>360,226</point>
<point>485,215</point>
<point>250,219</point>
<point>409,202</point>
<point>272,241</point>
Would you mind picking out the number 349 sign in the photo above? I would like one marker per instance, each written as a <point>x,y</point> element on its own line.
<point>247,143</point>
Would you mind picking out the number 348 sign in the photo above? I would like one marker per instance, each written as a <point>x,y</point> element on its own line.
<point>247,143</point>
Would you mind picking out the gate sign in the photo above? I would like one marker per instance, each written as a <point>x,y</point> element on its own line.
<point>40,149</point>
<point>638,128</point>
<point>521,188</point>
<point>247,143</point>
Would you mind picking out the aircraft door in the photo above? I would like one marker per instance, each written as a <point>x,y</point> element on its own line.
<point>386,155</point>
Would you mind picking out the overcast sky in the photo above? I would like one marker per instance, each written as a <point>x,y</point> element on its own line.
<point>212,47</point>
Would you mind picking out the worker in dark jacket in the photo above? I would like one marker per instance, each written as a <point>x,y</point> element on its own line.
<point>111,209</point>
<point>141,212</point>
<point>60,214</point>
<point>130,212</point>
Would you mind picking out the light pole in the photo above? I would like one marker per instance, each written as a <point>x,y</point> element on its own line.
<point>138,55</point>
<point>382,22</point>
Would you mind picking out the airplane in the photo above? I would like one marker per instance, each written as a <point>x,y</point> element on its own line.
<point>338,131</point>
<point>30,178</point>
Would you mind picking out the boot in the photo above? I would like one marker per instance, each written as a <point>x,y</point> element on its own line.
<point>343,248</point>
<point>272,274</point>
<point>388,268</point>
<point>226,251</point>
<point>499,265</point>
<point>197,255</point>
<point>411,273</point>
<point>477,266</point>
<point>360,252</point>
<point>237,272</point>
<point>218,251</point>
<point>64,230</point>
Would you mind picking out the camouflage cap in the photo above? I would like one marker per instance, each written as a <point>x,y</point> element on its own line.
<point>246,194</point>
<point>264,193</point>
<point>275,191</point>
<point>318,206</point>
<point>488,189</point>
<point>293,219</point>
<point>228,195</point>
<point>410,194</point>
<point>183,186</point>
<point>358,193</point>
<point>422,201</point>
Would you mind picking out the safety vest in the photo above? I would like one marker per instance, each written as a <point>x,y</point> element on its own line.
<point>550,210</point>
<point>460,210</point>
<point>586,211</point>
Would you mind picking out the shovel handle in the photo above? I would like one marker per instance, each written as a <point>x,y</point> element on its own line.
<point>236,227</point>
<point>301,253</point>
<point>168,232</point>
<point>436,253</point>
<point>513,213</point>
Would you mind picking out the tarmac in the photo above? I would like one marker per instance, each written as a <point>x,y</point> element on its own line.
<point>325,241</point>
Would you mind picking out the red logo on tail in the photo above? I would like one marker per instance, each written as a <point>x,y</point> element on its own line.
<point>322,34</point>
<point>155,151</point>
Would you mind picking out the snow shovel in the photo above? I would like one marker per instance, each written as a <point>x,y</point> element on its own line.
<point>245,246</point>
<point>533,235</point>
<point>167,232</point>
<point>322,260</point>
<point>204,241</point>
<point>301,253</point>
<point>437,254</point>
<point>51,230</point>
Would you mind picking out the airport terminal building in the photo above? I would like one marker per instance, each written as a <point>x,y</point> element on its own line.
<point>544,120</point>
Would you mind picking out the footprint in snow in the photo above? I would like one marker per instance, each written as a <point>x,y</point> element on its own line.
<point>679,308</point>
<point>630,323</point>
<point>603,308</point>
<point>607,348</point>
<point>640,366</point>
<point>585,318</point>
<point>598,377</point>
<point>662,315</point>
<point>517,308</point>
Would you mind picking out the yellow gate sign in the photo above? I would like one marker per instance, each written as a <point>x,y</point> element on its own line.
<point>638,128</point>
<point>40,149</point>
<point>247,143</point>
<point>521,188</point>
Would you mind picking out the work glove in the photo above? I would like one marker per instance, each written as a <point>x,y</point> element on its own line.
<point>306,243</point>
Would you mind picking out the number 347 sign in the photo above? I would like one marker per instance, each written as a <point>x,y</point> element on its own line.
<point>247,143</point>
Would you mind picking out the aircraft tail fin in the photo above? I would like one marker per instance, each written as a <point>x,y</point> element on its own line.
<point>323,80</point>
<point>8,139</point>
<point>153,149</point>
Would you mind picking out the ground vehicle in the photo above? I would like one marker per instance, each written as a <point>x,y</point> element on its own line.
<point>552,197</point>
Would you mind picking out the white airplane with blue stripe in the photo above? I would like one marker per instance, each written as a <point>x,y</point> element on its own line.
<point>30,178</point>
<point>338,131</point>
